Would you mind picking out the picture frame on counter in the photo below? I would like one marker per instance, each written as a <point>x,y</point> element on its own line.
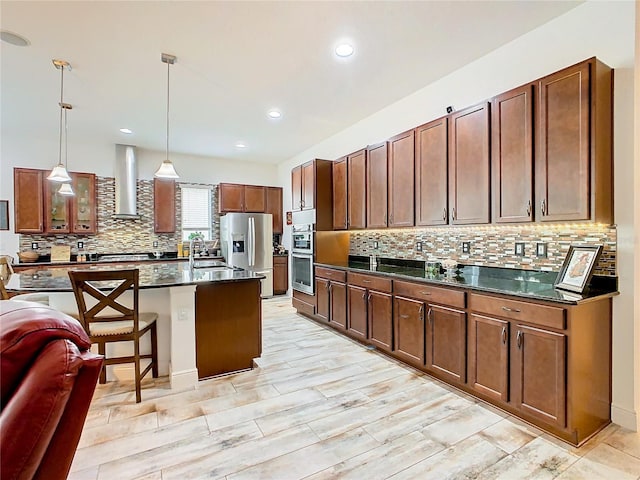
<point>577,268</point>
<point>4,214</point>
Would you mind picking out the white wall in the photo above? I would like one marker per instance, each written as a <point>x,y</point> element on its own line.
<point>601,29</point>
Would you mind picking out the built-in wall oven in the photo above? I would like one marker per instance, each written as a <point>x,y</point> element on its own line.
<point>302,239</point>
<point>302,272</point>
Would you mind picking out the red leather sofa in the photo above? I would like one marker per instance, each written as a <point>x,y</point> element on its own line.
<point>47,377</point>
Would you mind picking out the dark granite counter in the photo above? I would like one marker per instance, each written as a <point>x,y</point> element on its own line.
<point>100,259</point>
<point>531,284</point>
<point>152,275</point>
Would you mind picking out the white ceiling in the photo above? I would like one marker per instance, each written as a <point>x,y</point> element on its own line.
<point>235,61</point>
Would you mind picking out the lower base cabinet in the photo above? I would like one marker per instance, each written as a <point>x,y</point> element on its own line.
<point>489,356</point>
<point>280,274</point>
<point>357,312</point>
<point>446,343</point>
<point>409,332</point>
<point>331,296</point>
<point>380,319</point>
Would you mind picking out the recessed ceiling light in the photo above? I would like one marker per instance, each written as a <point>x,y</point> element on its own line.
<point>13,39</point>
<point>274,113</point>
<point>126,130</point>
<point>344,50</point>
<point>241,145</point>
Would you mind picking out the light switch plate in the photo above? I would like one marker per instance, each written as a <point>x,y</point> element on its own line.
<point>541,250</point>
<point>80,245</point>
<point>375,244</point>
<point>418,246</point>
<point>155,244</point>
<point>466,247</point>
<point>34,245</point>
<point>519,249</point>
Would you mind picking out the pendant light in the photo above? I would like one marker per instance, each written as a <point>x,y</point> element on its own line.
<point>166,169</point>
<point>59,172</point>
<point>65,188</point>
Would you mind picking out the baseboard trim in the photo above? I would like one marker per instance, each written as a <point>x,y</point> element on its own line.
<point>184,379</point>
<point>625,418</point>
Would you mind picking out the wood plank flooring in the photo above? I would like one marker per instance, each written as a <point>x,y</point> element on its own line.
<point>323,407</point>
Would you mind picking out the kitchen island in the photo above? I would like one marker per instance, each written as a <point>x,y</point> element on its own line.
<point>203,313</point>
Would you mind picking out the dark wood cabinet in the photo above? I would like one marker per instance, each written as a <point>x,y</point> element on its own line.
<point>469,165</point>
<point>574,148</point>
<point>280,274</point>
<point>446,342</point>
<point>338,304</point>
<point>489,356</point>
<point>340,195</point>
<point>255,200</point>
<point>84,204</point>
<point>28,200</point>
<point>377,186</point>
<point>274,207</point>
<point>357,190</point>
<point>357,311</point>
<point>409,331</point>
<point>296,188</point>
<point>311,188</point>
<point>241,198</point>
<point>322,298</point>
<point>164,205</point>
<point>512,156</point>
<point>308,186</point>
<point>380,318</point>
<point>331,296</point>
<point>431,176</point>
<point>370,306</point>
<point>401,180</point>
<point>57,209</point>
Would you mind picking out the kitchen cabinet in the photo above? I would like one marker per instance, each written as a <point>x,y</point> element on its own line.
<point>469,166</point>
<point>357,189</point>
<point>274,207</point>
<point>371,309</point>
<point>489,356</point>
<point>241,198</point>
<point>512,156</point>
<point>280,274</point>
<point>409,330</point>
<point>28,200</point>
<point>57,213</point>
<point>311,188</point>
<point>340,194</point>
<point>431,175</point>
<point>331,294</point>
<point>377,186</point>
<point>84,204</point>
<point>164,205</point>
<point>401,180</point>
<point>574,149</point>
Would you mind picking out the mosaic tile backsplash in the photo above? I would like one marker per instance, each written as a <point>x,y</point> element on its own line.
<point>123,236</point>
<point>492,246</point>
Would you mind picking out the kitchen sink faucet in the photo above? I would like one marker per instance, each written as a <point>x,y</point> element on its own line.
<point>195,239</point>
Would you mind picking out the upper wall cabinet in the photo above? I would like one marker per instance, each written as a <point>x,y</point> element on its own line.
<point>357,186</point>
<point>469,165</point>
<point>311,188</point>
<point>340,195</point>
<point>28,200</point>
<point>401,180</point>
<point>573,156</point>
<point>84,204</point>
<point>512,156</point>
<point>274,207</point>
<point>57,214</point>
<point>431,173</point>
<point>241,198</point>
<point>377,185</point>
<point>164,205</point>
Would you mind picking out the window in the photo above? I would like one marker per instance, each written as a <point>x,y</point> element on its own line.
<point>196,211</point>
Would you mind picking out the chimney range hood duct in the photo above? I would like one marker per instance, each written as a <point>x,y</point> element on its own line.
<point>125,178</point>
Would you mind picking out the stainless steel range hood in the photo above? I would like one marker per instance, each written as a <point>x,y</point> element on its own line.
<point>126,173</point>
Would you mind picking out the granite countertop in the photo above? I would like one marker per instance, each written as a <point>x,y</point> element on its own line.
<point>152,275</point>
<point>531,284</point>
<point>103,258</point>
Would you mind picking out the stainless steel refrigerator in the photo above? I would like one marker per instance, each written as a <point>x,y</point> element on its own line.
<point>246,240</point>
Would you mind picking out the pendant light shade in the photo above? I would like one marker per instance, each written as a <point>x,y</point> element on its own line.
<point>166,169</point>
<point>59,172</point>
<point>66,190</point>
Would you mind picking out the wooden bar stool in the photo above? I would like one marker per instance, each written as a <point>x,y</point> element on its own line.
<point>5,266</point>
<point>119,322</point>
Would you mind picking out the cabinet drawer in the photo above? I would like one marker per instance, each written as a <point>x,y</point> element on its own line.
<point>279,260</point>
<point>329,273</point>
<point>429,294</point>
<point>545,315</point>
<point>369,281</point>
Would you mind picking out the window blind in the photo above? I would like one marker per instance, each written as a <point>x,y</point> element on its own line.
<point>196,208</point>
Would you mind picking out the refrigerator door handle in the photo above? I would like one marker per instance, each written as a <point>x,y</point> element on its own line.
<point>252,242</point>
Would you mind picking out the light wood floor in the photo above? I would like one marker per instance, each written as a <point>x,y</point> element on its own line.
<point>321,406</point>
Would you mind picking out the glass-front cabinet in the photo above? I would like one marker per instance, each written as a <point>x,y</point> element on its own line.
<point>76,214</point>
<point>56,209</point>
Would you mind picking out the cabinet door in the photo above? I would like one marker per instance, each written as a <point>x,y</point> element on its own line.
<point>446,342</point>
<point>408,324</point>
<point>539,379</point>
<point>164,205</point>
<point>380,318</point>
<point>274,207</point>
<point>431,173</point>
<point>512,156</point>
<point>401,180</point>
<point>280,275</point>
<point>83,204</point>
<point>357,311</point>
<point>296,188</point>
<point>28,200</point>
<point>377,186</point>
<point>489,356</point>
<point>338,305</point>
<point>339,171</point>
<point>231,198</point>
<point>357,183</point>
<point>469,166</point>
<point>562,161</point>
<point>57,209</point>
<point>254,199</point>
<point>308,186</point>
<point>322,298</point>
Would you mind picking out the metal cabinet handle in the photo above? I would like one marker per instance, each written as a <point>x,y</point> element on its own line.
<point>364,296</point>
<point>369,298</point>
<point>430,315</point>
<point>529,208</point>
<point>444,214</point>
<point>507,309</point>
<point>453,213</point>
<point>402,315</point>
<point>366,281</point>
<point>519,339</point>
<point>543,206</point>
<point>391,219</point>
<point>504,335</point>
<point>425,293</point>
<point>421,312</point>
<point>385,219</point>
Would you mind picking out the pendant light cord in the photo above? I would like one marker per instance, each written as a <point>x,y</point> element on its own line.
<point>168,66</point>
<point>61,109</point>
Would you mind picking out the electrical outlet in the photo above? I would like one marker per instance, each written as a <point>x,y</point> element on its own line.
<point>418,246</point>
<point>80,245</point>
<point>466,247</point>
<point>155,244</point>
<point>541,250</point>
<point>375,244</point>
<point>519,249</point>
<point>34,245</point>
